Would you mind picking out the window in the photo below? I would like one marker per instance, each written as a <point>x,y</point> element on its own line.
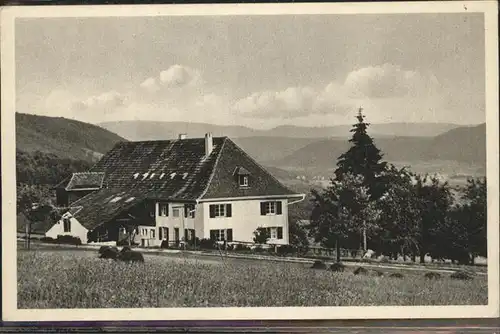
<point>220,210</point>
<point>270,208</point>
<point>152,233</point>
<point>275,232</point>
<point>144,231</point>
<point>242,176</point>
<point>189,210</point>
<point>175,212</point>
<point>222,235</point>
<point>189,234</point>
<point>116,199</point>
<point>163,233</point>
<point>67,225</point>
<point>164,209</point>
<point>243,180</point>
<point>152,209</point>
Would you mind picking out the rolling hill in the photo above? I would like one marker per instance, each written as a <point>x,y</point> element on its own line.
<point>63,137</point>
<point>464,146</point>
<point>146,130</point>
<point>466,143</point>
<point>286,151</point>
<point>82,142</point>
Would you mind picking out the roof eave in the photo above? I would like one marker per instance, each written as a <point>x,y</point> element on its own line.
<point>242,198</point>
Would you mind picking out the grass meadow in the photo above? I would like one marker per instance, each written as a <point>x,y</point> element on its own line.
<point>78,279</point>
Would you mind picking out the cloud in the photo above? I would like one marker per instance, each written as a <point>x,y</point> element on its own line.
<point>384,90</point>
<point>180,76</point>
<point>389,81</point>
<point>107,102</point>
<point>150,84</point>
<point>387,93</point>
<point>294,102</point>
<point>59,100</point>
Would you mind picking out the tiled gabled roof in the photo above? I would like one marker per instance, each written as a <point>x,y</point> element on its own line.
<point>102,206</point>
<point>86,180</point>
<point>168,169</point>
<point>224,183</point>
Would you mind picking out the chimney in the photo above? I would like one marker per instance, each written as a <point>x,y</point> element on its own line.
<point>182,136</point>
<point>209,144</point>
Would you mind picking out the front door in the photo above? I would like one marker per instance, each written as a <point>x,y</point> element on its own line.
<point>176,235</point>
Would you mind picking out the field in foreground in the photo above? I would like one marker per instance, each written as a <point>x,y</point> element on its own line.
<point>78,279</point>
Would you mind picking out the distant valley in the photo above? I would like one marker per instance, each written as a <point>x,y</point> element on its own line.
<point>300,157</point>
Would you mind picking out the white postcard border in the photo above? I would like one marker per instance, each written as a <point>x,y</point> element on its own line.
<point>9,272</point>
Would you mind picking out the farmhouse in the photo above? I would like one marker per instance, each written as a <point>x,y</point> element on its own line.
<point>172,191</point>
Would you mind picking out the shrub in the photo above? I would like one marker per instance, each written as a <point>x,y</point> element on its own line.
<point>48,240</point>
<point>68,240</point>
<point>432,275</point>
<point>338,267</point>
<point>128,255</point>
<point>396,275</point>
<point>360,270</point>
<point>287,250</point>
<point>241,248</point>
<point>461,275</point>
<point>384,259</point>
<point>194,243</point>
<point>258,249</point>
<point>207,244</point>
<point>107,252</point>
<point>318,265</point>
<point>164,244</point>
<point>261,235</point>
<point>376,273</point>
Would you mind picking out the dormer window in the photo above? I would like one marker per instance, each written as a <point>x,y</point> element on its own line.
<point>242,177</point>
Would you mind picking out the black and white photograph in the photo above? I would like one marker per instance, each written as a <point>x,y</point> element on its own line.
<point>292,161</point>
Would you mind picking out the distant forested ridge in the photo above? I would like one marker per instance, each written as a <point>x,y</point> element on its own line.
<point>66,138</point>
<point>38,172</point>
<point>38,168</point>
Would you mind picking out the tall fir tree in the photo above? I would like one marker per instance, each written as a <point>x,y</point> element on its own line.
<point>363,158</point>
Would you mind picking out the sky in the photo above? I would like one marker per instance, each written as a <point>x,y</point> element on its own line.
<point>257,71</point>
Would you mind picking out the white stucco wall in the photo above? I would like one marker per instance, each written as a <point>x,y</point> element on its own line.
<point>180,222</point>
<point>245,219</point>
<point>77,230</point>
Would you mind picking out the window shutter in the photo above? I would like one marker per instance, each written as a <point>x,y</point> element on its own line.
<point>212,211</point>
<point>194,234</point>
<point>262,208</point>
<point>160,233</point>
<point>280,232</point>
<point>278,208</point>
<point>185,234</point>
<point>167,233</point>
<point>228,210</point>
<point>213,236</point>
<point>229,235</point>
<point>186,210</point>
